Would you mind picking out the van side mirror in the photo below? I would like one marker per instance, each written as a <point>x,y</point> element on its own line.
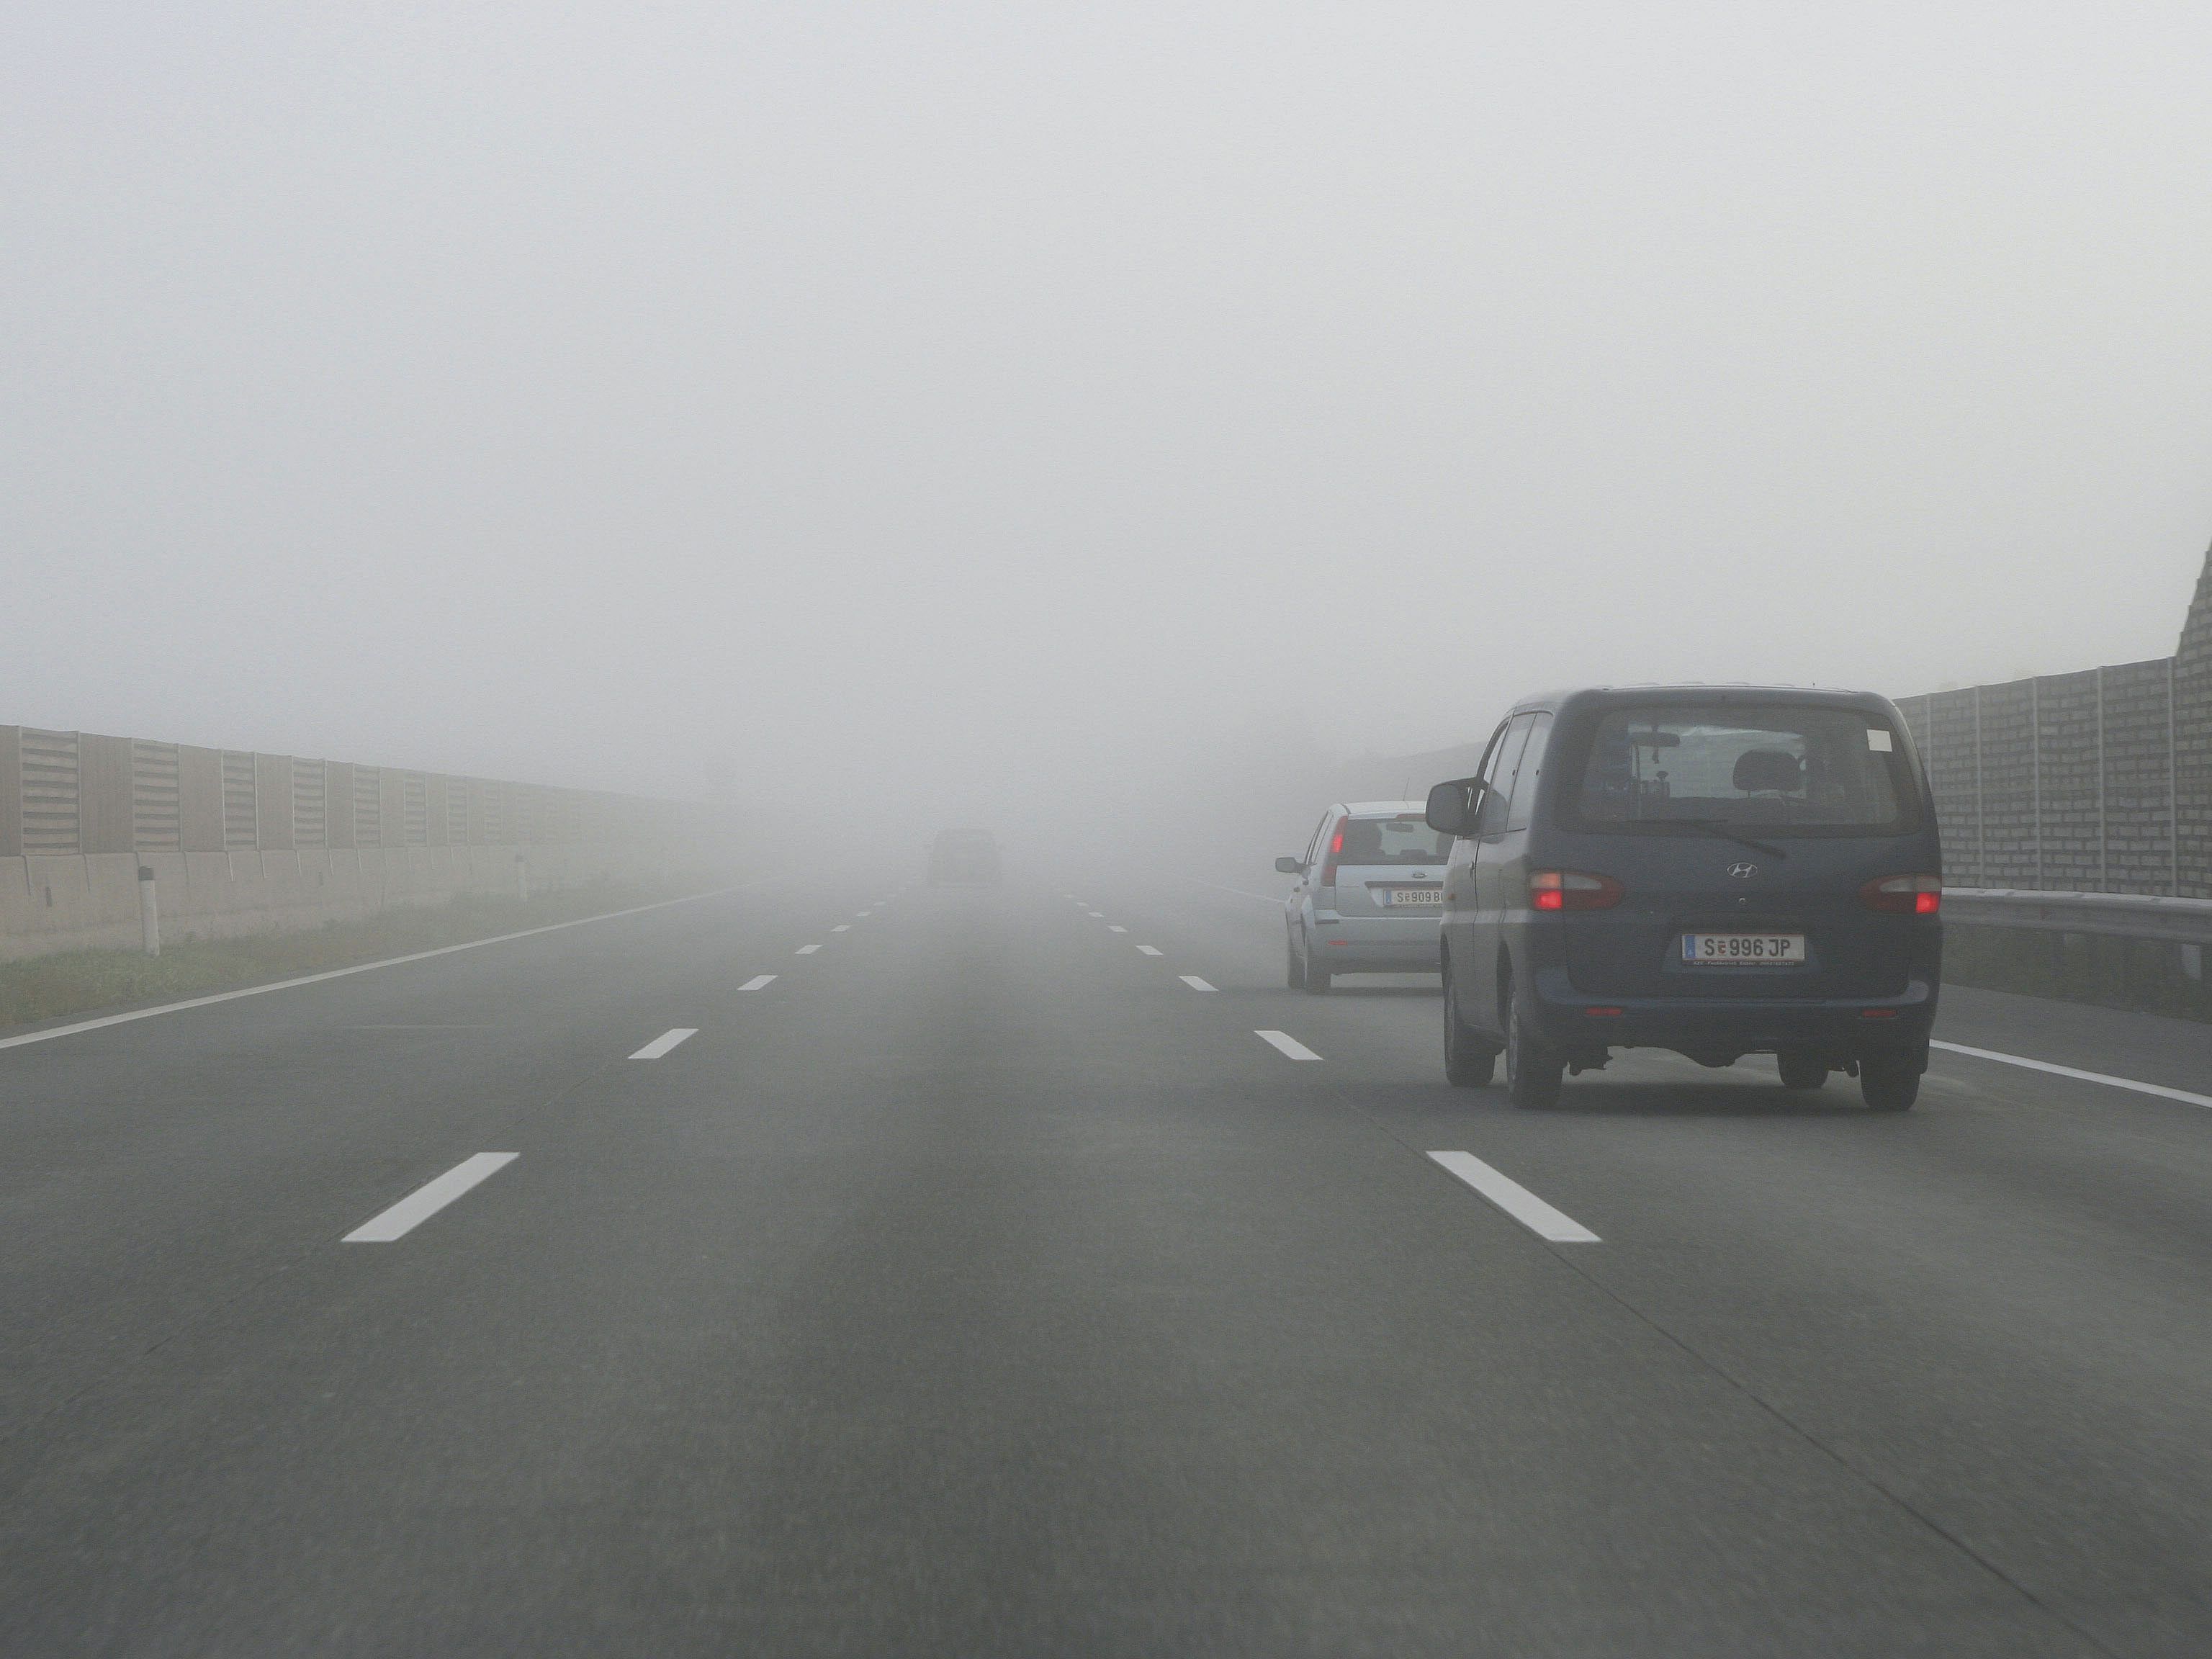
<point>1291,866</point>
<point>1452,806</point>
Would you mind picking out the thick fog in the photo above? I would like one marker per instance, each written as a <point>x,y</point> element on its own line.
<point>1041,414</point>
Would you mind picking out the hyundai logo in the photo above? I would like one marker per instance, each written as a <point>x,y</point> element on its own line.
<point>1743,871</point>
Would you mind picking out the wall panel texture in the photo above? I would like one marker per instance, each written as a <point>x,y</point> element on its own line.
<point>243,842</point>
<point>2096,782</point>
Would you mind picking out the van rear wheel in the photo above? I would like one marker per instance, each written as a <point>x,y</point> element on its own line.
<point>1468,1062</point>
<point>1294,971</point>
<point>1533,1072</point>
<point>1800,1068</point>
<point>1889,1083</point>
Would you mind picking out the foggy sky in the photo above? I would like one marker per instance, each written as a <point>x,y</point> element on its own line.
<point>970,407</point>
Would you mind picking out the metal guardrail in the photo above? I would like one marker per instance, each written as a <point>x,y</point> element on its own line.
<point>2123,915</point>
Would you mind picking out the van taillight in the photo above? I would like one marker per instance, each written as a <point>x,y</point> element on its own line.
<point>1905,895</point>
<point>1572,890</point>
<point>1328,865</point>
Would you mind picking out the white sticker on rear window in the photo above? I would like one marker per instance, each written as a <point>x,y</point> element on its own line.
<point>1878,739</point>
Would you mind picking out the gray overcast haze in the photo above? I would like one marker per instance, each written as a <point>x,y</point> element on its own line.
<point>992,409</point>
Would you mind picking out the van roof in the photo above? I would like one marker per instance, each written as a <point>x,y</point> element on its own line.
<point>1707,691</point>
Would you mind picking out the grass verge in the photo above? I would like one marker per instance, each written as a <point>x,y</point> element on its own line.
<point>95,982</point>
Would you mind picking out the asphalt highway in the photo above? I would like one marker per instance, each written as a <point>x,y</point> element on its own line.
<point>1026,1270</point>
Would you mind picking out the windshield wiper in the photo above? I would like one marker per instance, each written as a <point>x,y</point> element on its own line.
<point>1720,826</point>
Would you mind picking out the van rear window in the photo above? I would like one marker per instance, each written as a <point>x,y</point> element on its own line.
<point>1813,767</point>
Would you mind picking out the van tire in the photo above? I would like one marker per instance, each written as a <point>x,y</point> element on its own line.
<point>1889,1083</point>
<point>1533,1071</point>
<point>1294,971</point>
<point>1800,1068</point>
<point>1469,1063</point>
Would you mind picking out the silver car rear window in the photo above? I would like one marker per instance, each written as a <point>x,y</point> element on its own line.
<point>1392,840</point>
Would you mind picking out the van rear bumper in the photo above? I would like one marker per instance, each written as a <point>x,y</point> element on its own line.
<point>1567,1019</point>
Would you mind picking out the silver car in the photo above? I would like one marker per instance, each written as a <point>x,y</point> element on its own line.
<point>1369,895</point>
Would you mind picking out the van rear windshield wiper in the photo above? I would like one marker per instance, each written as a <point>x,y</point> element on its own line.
<point>1720,826</point>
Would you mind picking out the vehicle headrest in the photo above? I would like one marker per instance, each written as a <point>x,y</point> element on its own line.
<point>1768,768</point>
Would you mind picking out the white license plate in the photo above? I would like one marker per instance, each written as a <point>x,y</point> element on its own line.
<point>1738,950</point>
<point>1399,898</point>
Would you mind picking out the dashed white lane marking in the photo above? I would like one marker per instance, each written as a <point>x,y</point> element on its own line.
<point>842,927</point>
<point>863,915</point>
<point>1194,981</point>
<point>756,981</point>
<point>1099,916</point>
<point>806,950</point>
<point>425,1202</point>
<point>2110,1082</point>
<point>667,1039</point>
<point>1289,1045</point>
<point>1150,950</point>
<point>1517,1200</point>
<point>1111,928</point>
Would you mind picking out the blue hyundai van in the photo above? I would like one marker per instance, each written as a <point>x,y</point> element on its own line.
<point>1720,871</point>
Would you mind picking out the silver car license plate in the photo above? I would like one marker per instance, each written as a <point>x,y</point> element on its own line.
<point>1399,898</point>
<point>1738,950</point>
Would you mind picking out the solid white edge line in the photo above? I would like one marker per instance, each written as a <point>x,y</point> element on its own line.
<point>667,1041</point>
<point>1289,1045</point>
<point>806,950</point>
<point>341,972</point>
<point>1194,981</point>
<point>1517,1200</point>
<point>1149,950</point>
<point>426,1201</point>
<point>2110,1082</point>
<point>756,981</point>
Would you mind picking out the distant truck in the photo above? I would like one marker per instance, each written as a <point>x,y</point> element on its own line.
<point>964,855</point>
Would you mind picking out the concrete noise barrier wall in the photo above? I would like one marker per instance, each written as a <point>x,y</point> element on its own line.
<point>2098,781</point>
<point>239,842</point>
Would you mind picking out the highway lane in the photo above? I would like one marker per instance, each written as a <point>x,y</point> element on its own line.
<point>1994,1306</point>
<point>978,1285</point>
<point>150,1171</point>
